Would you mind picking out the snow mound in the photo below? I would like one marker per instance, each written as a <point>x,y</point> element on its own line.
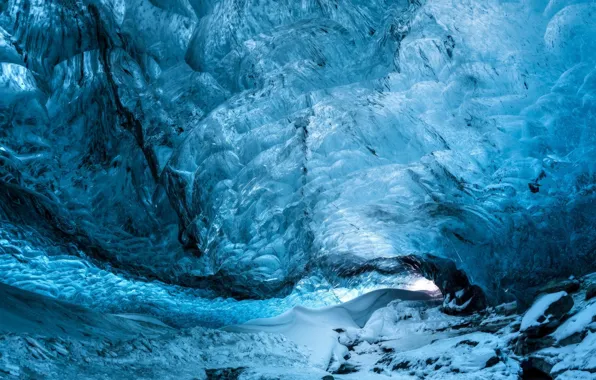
<point>317,329</point>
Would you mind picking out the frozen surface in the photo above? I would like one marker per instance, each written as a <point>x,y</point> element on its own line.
<point>393,334</point>
<point>44,338</point>
<point>76,280</point>
<point>316,328</point>
<point>239,147</point>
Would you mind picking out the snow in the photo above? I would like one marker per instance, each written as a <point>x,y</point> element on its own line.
<point>580,357</point>
<point>464,354</point>
<point>315,328</point>
<point>538,309</point>
<point>44,338</point>
<point>408,338</point>
<point>389,333</point>
<point>576,323</point>
<point>576,375</point>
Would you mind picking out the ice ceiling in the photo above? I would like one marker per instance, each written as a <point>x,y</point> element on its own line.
<point>155,154</point>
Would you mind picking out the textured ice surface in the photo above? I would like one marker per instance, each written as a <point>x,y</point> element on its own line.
<point>76,280</point>
<point>53,271</point>
<point>230,146</point>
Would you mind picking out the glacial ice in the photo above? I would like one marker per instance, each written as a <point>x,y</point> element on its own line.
<point>284,168</point>
<point>219,161</point>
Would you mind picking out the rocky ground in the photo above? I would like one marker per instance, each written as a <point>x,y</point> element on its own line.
<point>388,334</point>
<point>554,338</point>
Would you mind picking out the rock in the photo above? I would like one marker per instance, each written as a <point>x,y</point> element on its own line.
<point>570,285</point>
<point>574,329</point>
<point>327,377</point>
<point>506,308</point>
<point>464,301</point>
<point>536,368</point>
<point>346,368</point>
<point>493,325</point>
<point>467,342</point>
<point>526,345</point>
<point>224,373</point>
<point>546,314</point>
<point>591,291</point>
<point>385,360</point>
<point>573,338</point>
<point>492,361</point>
<point>402,365</point>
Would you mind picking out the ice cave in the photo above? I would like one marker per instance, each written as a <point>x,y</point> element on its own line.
<point>298,189</point>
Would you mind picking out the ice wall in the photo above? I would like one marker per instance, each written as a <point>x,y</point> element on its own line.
<point>239,145</point>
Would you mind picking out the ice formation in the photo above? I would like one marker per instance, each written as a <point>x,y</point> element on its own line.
<point>212,162</point>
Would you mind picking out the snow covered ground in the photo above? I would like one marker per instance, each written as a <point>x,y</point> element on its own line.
<point>389,333</point>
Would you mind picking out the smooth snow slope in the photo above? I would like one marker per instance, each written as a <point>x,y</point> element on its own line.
<point>317,329</point>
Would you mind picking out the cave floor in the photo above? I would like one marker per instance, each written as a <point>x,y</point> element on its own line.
<point>383,334</point>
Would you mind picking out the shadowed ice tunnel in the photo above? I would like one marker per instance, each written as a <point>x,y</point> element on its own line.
<point>177,157</point>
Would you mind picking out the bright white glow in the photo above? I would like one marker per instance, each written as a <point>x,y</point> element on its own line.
<point>348,294</point>
<point>423,284</point>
